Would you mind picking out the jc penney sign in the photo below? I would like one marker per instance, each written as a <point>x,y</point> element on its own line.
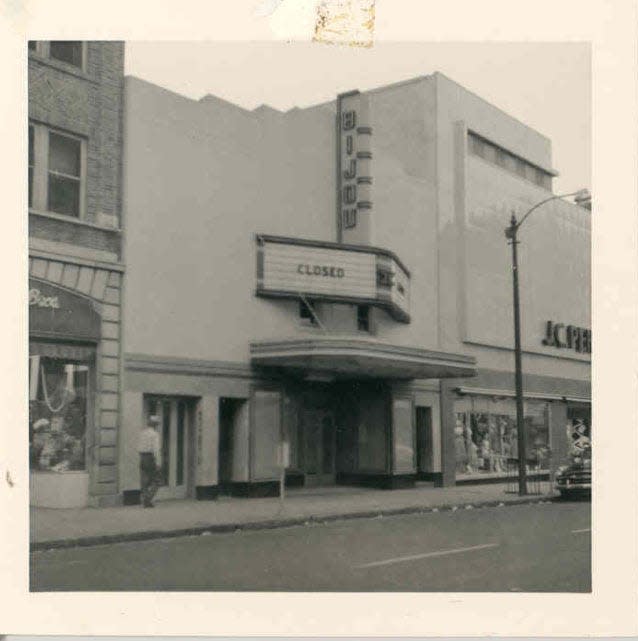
<point>567,336</point>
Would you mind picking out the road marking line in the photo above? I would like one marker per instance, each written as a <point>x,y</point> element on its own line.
<point>587,529</point>
<point>59,562</point>
<point>414,557</point>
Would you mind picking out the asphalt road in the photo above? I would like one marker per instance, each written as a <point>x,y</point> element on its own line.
<point>524,548</point>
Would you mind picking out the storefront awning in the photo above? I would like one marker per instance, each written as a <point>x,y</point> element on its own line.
<point>502,393</point>
<point>353,357</point>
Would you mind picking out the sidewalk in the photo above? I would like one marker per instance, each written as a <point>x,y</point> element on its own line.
<point>93,526</point>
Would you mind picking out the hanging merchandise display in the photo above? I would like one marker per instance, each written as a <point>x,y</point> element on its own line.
<point>58,392</point>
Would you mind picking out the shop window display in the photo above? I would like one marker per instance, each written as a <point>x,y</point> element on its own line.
<point>578,429</point>
<point>486,436</point>
<point>578,436</point>
<point>58,393</point>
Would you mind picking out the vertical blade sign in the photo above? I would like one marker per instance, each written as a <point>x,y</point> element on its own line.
<point>355,178</point>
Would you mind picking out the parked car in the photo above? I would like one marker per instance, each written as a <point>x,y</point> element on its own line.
<point>574,479</point>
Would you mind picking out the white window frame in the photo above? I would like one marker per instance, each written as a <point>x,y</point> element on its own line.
<point>41,171</point>
<point>43,48</point>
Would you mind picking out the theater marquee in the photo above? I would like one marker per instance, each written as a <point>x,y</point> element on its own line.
<point>290,267</point>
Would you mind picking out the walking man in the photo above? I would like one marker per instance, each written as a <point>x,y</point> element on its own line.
<point>150,460</point>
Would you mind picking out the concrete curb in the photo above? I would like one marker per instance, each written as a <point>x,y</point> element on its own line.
<point>271,524</point>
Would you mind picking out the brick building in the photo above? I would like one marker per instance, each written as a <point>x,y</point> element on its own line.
<point>75,270</point>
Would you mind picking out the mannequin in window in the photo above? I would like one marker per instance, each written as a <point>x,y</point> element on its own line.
<point>472,453</point>
<point>485,453</point>
<point>459,446</point>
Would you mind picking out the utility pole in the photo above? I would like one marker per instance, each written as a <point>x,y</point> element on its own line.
<point>511,234</point>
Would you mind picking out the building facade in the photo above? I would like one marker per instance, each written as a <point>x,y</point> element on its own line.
<point>75,270</point>
<point>330,288</point>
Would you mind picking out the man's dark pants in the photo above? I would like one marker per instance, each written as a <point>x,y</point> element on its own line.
<point>148,477</point>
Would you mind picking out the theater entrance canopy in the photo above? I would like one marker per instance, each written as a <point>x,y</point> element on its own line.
<point>349,357</point>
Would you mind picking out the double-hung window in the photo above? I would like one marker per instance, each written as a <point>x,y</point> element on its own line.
<point>70,52</point>
<point>56,171</point>
<point>64,175</point>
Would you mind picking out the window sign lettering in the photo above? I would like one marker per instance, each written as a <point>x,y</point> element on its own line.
<point>55,312</point>
<point>40,300</point>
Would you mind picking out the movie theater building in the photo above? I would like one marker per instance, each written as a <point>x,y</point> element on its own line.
<point>75,270</point>
<point>330,287</point>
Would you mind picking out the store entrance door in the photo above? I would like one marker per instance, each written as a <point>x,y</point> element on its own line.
<point>319,440</point>
<point>175,429</point>
<point>424,453</point>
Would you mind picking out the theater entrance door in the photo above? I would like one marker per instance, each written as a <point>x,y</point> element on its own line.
<point>319,446</point>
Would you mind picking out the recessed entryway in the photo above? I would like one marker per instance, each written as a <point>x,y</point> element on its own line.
<point>176,439</point>
<point>232,454</point>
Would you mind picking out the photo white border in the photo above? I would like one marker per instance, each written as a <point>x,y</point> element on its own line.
<point>612,608</point>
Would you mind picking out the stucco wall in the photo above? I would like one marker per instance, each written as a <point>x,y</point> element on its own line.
<point>404,172</point>
<point>554,260</point>
<point>203,177</point>
<point>475,200</point>
<point>201,180</point>
<point>159,379</point>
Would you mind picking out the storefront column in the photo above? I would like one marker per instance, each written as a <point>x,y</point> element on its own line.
<point>129,458</point>
<point>448,458</point>
<point>558,435</point>
<point>265,437</point>
<point>206,447</point>
<point>403,442</point>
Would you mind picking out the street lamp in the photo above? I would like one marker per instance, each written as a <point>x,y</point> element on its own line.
<point>511,232</point>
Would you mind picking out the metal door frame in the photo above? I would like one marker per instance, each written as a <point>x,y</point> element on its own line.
<point>172,490</point>
<point>320,478</point>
